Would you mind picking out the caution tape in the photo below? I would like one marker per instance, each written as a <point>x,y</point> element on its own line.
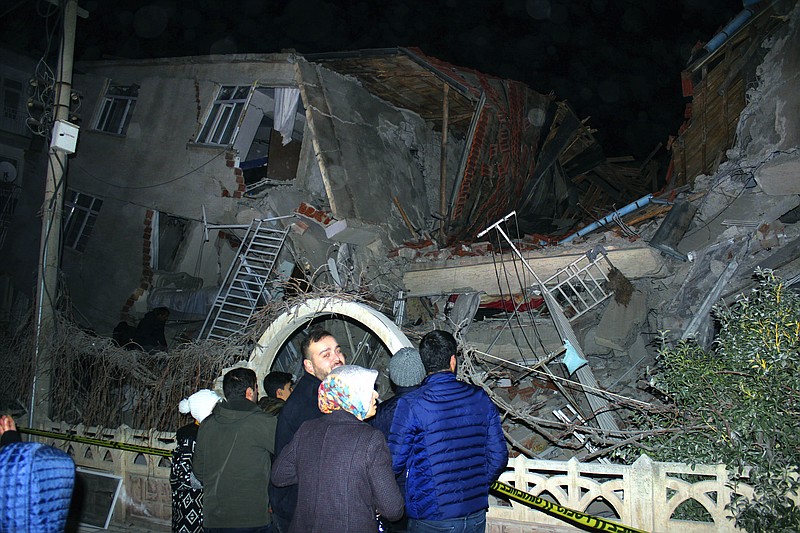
<point>97,442</point>
<point>575,518</point>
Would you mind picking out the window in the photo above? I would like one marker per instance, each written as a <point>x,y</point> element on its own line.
<point>169,233</point>
<point>80,213</point>
<point>9,195</point>
<point>224,117</point>
<point>12,99</point>
<point>12,116</point>
<point>117,108</point>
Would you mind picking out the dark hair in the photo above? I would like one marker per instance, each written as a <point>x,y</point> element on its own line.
<point>161,311</point>
<point>274,381</point>
<point>435,350</point>
<point>313,336</point>
<point>237,381</point>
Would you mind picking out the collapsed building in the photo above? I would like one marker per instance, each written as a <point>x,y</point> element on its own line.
<point>440,196</point>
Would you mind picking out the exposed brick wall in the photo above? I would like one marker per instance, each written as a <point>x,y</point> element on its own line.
<point>230,162</point>
<point>147,270</point>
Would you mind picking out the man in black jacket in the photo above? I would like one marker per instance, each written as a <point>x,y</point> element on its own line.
<point>321,354</point>
<point>150,331</point>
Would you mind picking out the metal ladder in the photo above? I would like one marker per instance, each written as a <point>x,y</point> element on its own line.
<point>580,286</point>
<point>573,418</point>
<point>241,292</point>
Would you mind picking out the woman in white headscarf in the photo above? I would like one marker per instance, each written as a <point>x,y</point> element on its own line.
<point>187,492</point>
<point>341,464</point>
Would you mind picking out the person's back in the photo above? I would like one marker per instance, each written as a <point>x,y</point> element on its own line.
<point>340,464</point>
<point>447,439</point>
<point>233,458</point>
<point>36,483</point>
<point>187,493</point>
<point>149,333</point>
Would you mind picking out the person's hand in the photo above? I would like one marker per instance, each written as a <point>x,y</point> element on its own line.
<point>7,424</point>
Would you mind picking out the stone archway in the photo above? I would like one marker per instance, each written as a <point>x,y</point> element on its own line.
<point>286,324</point>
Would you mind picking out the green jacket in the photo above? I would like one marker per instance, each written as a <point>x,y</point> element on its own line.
<point>233,460</point>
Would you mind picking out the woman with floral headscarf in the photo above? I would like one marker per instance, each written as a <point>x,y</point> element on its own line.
<point>341,465</point>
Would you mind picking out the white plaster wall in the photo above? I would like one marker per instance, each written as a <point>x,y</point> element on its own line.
<point>155,166</point>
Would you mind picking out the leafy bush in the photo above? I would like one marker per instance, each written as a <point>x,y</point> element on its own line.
<point>738,404</point>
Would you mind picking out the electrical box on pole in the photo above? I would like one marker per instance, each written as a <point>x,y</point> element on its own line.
<point>65,137</point>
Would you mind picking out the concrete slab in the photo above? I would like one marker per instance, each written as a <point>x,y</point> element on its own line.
<point>619,325</point>
<point>471,274</point>
<point>780,175</point>
<point>755,207</point>
<point>590,345</point>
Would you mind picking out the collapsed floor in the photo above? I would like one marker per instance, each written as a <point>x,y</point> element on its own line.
<point>665,265</point>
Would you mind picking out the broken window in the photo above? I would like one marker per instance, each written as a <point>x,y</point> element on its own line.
<point>268,155</point>
<point>220,126</point>
<point>117,108</point>
<point>80,213</point>
<point>167,240</point>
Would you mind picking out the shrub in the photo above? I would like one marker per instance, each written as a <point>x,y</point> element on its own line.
<point>738,404</point>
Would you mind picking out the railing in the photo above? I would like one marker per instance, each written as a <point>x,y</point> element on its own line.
<point>644,495</point>
<point>13,121</point>
<point>145,493</point>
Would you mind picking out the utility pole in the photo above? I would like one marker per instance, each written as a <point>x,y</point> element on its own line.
<point>50,244</point>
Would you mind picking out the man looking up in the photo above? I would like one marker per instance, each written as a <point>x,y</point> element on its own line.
<point>233,458</point>
<point>321,354</point>
<point>447,441</point>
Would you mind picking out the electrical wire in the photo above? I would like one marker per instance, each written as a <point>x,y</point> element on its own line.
<point>154,185</point>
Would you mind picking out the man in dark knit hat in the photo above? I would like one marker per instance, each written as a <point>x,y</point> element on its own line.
<point>406,373</point>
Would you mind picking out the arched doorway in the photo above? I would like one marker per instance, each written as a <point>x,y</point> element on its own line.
<point>368,337</point>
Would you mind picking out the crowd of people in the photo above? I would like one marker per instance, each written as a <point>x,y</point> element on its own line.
<point>319,455</point>
<point>322,455</point>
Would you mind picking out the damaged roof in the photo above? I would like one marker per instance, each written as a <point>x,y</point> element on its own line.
<point>525,151</point>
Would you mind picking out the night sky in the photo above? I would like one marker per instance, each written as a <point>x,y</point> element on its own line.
<point>618,62</point>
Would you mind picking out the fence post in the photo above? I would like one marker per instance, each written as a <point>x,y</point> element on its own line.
<point>641,481</point>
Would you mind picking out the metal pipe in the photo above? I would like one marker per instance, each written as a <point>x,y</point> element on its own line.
<point>732,27</point>
<point>641,202</point>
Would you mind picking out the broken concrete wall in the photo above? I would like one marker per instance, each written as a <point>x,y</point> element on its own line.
<point>741,221</point>
<point>769,132</point>
<point>369,153</point>
<point>156,167</point>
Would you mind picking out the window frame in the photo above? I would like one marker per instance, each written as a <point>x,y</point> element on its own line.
<point>109,119</point>
<point>76,214</point>
<point>12,87</point>
<point>223,119</point>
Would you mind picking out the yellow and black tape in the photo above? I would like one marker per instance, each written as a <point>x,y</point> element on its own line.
<point>97,442</point>
<point>575,518</point>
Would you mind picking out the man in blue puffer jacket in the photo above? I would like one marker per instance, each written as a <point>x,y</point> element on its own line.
<point>447,441</point>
